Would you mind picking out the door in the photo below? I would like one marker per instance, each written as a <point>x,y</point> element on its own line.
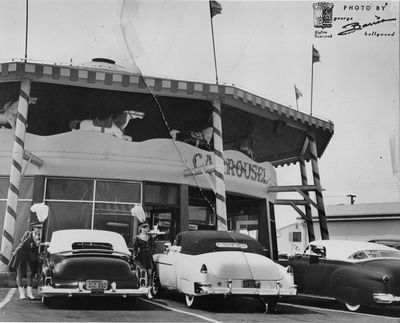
<point>308,274</point>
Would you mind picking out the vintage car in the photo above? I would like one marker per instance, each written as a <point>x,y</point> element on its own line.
<point>201,263</point>
<point>352,272</point>
<point>89,263</point>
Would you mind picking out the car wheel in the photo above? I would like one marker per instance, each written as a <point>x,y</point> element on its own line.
<point>192,301</point>
<point>352,308</point>
<point>155,288</point>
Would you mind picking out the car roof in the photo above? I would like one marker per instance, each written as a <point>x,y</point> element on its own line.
<point>203,241</point>
<point>62,240</point>
<point>342,249</point>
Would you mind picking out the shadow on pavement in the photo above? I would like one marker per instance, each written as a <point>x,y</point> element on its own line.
<point>236,304</point>
<point>101,304</point>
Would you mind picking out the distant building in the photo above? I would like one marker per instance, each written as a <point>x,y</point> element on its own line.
<point>360,222</point>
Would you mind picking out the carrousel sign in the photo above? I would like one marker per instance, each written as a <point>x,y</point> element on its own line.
<point>242,174</point>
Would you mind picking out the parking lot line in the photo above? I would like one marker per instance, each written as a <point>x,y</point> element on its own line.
<point>340,311</point>
<point>7,298</point>
<point>180,311</point>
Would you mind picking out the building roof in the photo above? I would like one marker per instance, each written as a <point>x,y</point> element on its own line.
<point>285,128</point>
<point>367,211</point>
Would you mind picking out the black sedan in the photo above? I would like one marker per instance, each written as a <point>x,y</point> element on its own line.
<point>89,263</point>
<point>352,272</point>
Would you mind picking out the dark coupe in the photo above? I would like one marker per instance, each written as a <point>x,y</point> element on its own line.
<point>352,272</point>
<point>89,263</point>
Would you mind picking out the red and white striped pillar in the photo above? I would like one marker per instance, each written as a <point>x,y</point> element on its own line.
<point>220,196</point>
<point>7,238</point>
<point>317,182</point>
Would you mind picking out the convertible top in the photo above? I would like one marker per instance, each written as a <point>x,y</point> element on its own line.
<point>199,242</point>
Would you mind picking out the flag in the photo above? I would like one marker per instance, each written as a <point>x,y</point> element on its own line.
<point>297,92</point>
<point>215,8</point>
<point>315,55</point>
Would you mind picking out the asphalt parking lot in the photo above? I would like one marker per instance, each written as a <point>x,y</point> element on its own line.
<point>171,308</point>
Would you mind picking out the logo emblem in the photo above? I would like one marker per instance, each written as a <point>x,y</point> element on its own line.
<point>323,14</point>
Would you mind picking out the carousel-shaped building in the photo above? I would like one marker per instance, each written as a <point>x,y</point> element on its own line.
<point>93,141</point>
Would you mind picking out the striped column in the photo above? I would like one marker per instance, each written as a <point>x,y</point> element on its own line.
<point>7,238</point>
<point>220,197</point>
<point>310,227</point>
<point>317,181</point>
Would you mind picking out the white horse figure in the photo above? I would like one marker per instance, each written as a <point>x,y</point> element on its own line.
<point>201,139</point>
<point>113,126</point>
<point>9,112</point>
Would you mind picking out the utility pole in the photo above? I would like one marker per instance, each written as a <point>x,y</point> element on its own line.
<point>352,198</point>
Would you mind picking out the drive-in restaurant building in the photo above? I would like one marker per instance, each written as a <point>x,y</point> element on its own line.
<point>167,162</point>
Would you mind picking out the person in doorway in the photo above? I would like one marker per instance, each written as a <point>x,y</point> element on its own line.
<point>28,260</point>
<point>143,248</point>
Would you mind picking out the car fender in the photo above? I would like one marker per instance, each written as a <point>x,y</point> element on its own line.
<point>188,272</point>
<point>354,285</point>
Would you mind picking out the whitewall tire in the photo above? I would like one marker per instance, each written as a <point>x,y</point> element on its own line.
<point>352,308</point>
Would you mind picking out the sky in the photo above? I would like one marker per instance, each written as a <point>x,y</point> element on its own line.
<point>263,47</point>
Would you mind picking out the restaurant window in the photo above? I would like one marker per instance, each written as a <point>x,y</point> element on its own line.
<point>201,213</point>
<point>91,204</point>
<point>23,206</point>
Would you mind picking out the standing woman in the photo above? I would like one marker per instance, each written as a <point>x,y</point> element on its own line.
<point>143,248</point>
<point>27,260</point>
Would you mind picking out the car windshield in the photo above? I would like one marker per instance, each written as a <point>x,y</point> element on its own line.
<point>367,254</point>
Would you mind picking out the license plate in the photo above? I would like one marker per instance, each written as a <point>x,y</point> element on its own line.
<point>96,285</point>
<point>249,283</point>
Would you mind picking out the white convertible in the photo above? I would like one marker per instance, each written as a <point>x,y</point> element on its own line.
<point>201,263</point>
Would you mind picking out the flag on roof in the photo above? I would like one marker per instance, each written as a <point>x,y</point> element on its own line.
<point>315,55</point>
<point>298,92</point>
<point>215,8</point>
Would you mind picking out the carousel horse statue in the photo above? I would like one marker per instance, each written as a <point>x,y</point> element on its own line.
<point>113,125</point>
<point>246,146</point>
<point>8,114</point>
<point>201,139</point>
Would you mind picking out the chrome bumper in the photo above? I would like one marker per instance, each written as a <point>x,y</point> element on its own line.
<point>207,289</point>
<point>382,298</point>
<point>49,291</point>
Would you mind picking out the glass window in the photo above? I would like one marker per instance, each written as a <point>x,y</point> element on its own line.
<point>117,191</point>
<point>161,194</point>
<point>69,189</point>
<point>25,189</point>
<point>22,222</point>
<point>68,215</point>
<point>114,217</point>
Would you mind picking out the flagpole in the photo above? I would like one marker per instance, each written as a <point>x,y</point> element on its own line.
<point>215,56</point>
<point>312,77</point>
<point>295,95</point>
<point>26,31</point>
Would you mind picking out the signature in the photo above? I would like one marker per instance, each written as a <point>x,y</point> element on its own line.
<point>354,26</point>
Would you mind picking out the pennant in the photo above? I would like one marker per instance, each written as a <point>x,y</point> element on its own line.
<point>315,55</point>
<point>298,92</point>
<point>215,8</point>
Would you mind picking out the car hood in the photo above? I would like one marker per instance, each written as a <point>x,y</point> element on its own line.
<point>241,265</point>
